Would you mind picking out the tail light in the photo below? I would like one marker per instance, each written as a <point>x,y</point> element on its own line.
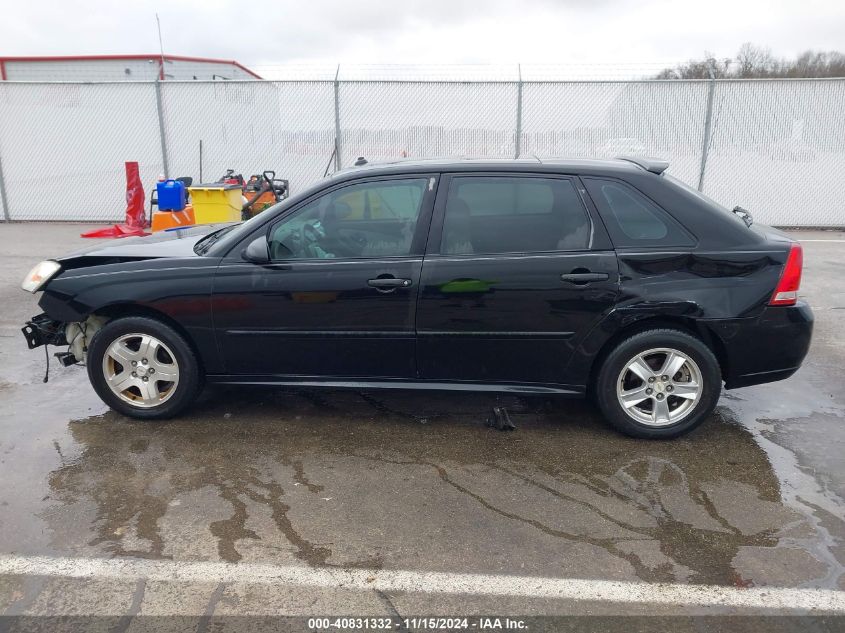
<point>786,293</point>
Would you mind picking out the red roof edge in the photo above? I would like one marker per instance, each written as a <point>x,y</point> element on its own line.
<point>71,58</point>
<point>247,70</point>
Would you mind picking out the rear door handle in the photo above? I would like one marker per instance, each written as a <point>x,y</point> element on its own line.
<point>388,284</point>
<point>584,278</point>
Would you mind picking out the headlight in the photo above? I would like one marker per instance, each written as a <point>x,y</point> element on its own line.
<point>40,275</point>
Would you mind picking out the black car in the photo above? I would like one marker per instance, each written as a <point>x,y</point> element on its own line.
<point>607,278</point>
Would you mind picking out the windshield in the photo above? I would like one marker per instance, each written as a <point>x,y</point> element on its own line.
<point>241,228</point>
<point>236,232</point>
<point>202,246</point>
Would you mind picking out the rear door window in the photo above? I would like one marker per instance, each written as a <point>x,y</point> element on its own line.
<point>513,214</point>
<point>632,219</point>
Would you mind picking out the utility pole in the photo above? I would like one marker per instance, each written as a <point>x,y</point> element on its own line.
<point>161,50</point>
<point>518,139</point>
<point>337,160</point>
<point>708,127</point>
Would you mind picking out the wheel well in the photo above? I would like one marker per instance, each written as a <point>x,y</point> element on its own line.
<point>685,325</point>
<point>120,310</point>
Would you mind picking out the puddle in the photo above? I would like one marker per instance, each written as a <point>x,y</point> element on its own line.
<point>408,480</point>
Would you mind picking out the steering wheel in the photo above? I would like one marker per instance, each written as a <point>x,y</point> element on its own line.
<point>310,237</point>
<point>310,234</point>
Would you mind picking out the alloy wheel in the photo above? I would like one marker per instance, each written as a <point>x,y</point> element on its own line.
<point>141,370</point>
<point>659,387</point>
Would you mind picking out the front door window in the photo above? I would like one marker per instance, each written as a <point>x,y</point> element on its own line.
<point>371,219</point>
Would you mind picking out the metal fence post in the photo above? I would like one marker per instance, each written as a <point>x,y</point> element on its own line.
<point>3,198</point>
<point>161,129</point>
<point>337,161</point>
<point>708,125</point>
<point>518,139</point>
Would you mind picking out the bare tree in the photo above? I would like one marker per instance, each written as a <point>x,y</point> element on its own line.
<point>754,62</point>
<point>698,69</point>
<point>818,64</point>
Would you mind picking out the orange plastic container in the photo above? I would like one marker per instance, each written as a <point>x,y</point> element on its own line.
<point>163,220</point>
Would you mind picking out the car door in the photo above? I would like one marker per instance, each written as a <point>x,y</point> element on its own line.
<point>518,271</point>
<point>338,298</point>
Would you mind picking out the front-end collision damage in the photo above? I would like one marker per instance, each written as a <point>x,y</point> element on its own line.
<point>77,336</point>
<point>80,335</point>
<point>42,330</point>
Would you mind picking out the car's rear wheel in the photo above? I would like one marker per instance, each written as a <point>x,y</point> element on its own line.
<point>658,384</point>
<point>143,368</point>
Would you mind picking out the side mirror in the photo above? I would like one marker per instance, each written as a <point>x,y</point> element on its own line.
<point>257,252</point>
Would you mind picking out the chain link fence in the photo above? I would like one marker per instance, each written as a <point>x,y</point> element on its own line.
<point>776,147</point>
<point>63,146</point>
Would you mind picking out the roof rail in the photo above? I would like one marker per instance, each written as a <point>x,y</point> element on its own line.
<point>654,165</point>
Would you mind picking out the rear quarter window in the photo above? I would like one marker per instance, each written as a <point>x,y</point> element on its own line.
<point>632,219</point>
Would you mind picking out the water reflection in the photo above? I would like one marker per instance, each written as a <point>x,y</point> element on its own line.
<point>416,481</point>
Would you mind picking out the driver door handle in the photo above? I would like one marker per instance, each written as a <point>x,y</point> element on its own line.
<point>382,283</point>
<point>584,278</point>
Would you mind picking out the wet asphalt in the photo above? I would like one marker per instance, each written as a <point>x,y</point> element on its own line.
<point>409,481</point>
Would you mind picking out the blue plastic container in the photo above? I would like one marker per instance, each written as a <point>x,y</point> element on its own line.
<point>171,195</point>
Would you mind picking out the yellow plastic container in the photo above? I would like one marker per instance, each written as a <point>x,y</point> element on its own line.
<point>216,203</point>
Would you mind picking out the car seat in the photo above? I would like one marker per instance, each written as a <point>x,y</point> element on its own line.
<point>457,230</point>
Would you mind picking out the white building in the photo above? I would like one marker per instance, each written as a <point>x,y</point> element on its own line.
<point>121,68</point>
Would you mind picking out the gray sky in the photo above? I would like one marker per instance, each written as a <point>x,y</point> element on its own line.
<point>259,33</point>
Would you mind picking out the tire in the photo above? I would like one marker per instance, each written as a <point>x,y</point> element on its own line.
<point>668,408</point>
<point>165,354</point>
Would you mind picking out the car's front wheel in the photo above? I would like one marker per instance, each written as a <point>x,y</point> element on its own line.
<point>143,368</point>
<point>658,384</point>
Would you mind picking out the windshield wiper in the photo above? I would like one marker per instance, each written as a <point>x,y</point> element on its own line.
<point>201,247</point>
<point>745,215</point>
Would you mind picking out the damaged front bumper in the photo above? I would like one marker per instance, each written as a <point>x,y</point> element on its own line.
<point>42,330</point>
